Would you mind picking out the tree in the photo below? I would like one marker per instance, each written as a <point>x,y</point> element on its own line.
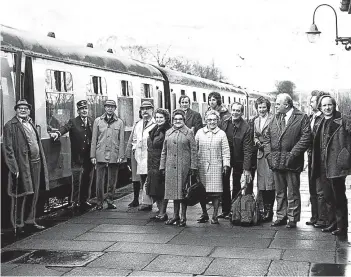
<point>286,87</point>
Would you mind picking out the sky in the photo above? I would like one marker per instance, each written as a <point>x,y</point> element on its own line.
<point>268,34</point>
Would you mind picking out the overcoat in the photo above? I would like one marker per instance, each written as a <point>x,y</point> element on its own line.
<point>284,149</point>
<point>107,143</point>
<point>129,155</point>
<point>139,144</point>
<point>80,137</point>
<point>213,154</point>
<point>265,179</point>
<point>178,156</point>
<point>193,120</point>
<point>17,158</point>
<point>155,184</point>
<point>338,151</point>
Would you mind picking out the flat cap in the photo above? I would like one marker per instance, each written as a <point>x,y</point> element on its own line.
<point>82,104</point>
<point>146,104</point>
<point>22,102</point>
<point>110,103</point>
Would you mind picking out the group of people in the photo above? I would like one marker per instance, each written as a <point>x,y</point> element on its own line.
<point>166,152</point>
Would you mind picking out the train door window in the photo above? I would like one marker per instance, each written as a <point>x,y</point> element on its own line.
<point>146,91</point>
<point>223,99</point>
<point>59,98</point>
<point>228,99</point>
<point>194,96</point>
<point>182,92</point>
<point>234,99</point>
<point>96,92</point>
<point>204,97</point>
<point>127,88</point>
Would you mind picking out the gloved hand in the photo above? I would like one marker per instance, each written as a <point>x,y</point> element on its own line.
<point>226,170</point>
<point>163,172</point>
<point>193,172</point>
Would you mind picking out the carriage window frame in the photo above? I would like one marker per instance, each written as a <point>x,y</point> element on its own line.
<point>182,92</point>
<point>146,90</point>
<point>96,94</point>
<point>58,87</point>
<point>204,97</point>
<point>194,96</point>
<point>126,88</point>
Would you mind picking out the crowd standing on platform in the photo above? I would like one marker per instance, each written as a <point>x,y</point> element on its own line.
<point>165,152</point>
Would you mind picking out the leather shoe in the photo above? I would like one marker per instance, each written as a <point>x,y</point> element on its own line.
<point>134,203</point>
<point>319,225</point>
<point>145,208</point>
<point>214,220</point>
<point>330,228</point>
<point>161,218</point>
<point>279,222</point>
<point>291,224</point>
<point>99,207</point>
<point>85,206</point>
<point>203,218</point>
<point>311,222</point>
<point>339,232</point>
<point>111,206</point>
<point>223,215</point>
<point>34,227</point>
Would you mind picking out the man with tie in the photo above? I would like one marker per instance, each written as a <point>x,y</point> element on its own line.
<point>139,148</point>
<point>80,133</point>
<point>240,140</point>
<point>193,119</point>
<point>24,156</point>
<point>319,214</point>
<point>288,137</point>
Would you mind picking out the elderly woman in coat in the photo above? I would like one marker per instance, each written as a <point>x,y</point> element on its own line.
<point>155,184</point>
<point>265,181</point>
<point>214,161</point>
<point>178,160</point>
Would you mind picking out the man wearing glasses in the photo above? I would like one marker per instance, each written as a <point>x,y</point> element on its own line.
<point>28,173</point>
<point>107,152</point>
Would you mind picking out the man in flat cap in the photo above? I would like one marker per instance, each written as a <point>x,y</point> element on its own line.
<point>139,148</point>
<point>80,133</point>
<point>28,173</point>
<point>107,152</point>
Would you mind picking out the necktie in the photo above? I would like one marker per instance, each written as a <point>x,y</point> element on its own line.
<point>145,123</point>
<point>282,121</point>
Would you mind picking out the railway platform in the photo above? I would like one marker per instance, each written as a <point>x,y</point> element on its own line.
<point>125,242</point>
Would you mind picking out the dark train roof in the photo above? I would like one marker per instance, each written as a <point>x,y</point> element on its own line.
<point>50,48</point>
<point>176,77</point>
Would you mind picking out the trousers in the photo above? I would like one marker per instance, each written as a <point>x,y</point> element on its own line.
<point>81,182</point>
<point>111,169</point>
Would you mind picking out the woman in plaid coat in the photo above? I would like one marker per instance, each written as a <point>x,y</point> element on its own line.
<point>213,161</point>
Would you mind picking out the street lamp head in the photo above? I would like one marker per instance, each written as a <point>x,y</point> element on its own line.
<point>313,33</point>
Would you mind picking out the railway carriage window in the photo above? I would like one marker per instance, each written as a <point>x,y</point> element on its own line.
<point>96,92</point>
<point>127,88</point>
<point>204,97</point>
<point>228,99</point>
<point>59,99</point>
<point>234,99</point>
<point>146,91</point>
<point>194,96</point>
<point>182,92</point>
<point>223,99</point>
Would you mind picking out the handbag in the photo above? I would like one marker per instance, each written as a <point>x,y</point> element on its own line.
<point>195,191</point>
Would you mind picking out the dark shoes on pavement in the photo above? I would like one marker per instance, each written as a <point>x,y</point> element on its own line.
<point>99,207</point>
<point>224,215</point>
<point>340,232</point>
<point>279,222</point>
<point>145,208</point>
<point>214,220</point>
<point>291,225</point>
<point>203,218</point>
<point>134,203</point>
<point>161,218</point>
<point>33,227</point>
<point>172,221</point>
<point>320,224</point>
<point>111,206</point>
<point>330,228</point>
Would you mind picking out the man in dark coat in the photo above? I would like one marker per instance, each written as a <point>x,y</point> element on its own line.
<point>239,135</point>
<point>319,216</point>
<point>28,173</point>
<point>193,119</point>
<point>288,137</point>
<point>331,162</point>
<point>80,133</point>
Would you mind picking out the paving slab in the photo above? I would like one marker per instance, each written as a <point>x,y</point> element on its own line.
<point>154,238</point>
<point>131,229</point>
<point>313,256</point>
<point>190,239</point>
<point>330,270</point>
<point>11,255</point>
<point>231,232</point>
<point>7,267</point>
<point>59,258</point>
<point>36,270</point>
<point>246,253</point>
<point>102,220</point>
<point>37,244</point>
<point>238,267</point>
<point>157,273</point>
<point>288,268</point>
<point>343,256</point>
<point>97,271</point>
<point>179,264</point>
<point>120,215</point>
<point>64,231</point>
<point>129,261</point>
<point>304,235</point>
<point>171,249</point>
<point>284,243</point>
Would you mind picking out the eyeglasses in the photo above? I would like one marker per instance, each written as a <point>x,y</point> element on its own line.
<point>212,120</point>
<point>178,119</point>
<point>23,108</point>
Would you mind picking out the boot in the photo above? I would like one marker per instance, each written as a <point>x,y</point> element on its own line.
<point>269,213</point>
<point>136,188</point>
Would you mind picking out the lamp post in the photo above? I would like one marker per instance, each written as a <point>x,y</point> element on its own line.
<point>313,32</point>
